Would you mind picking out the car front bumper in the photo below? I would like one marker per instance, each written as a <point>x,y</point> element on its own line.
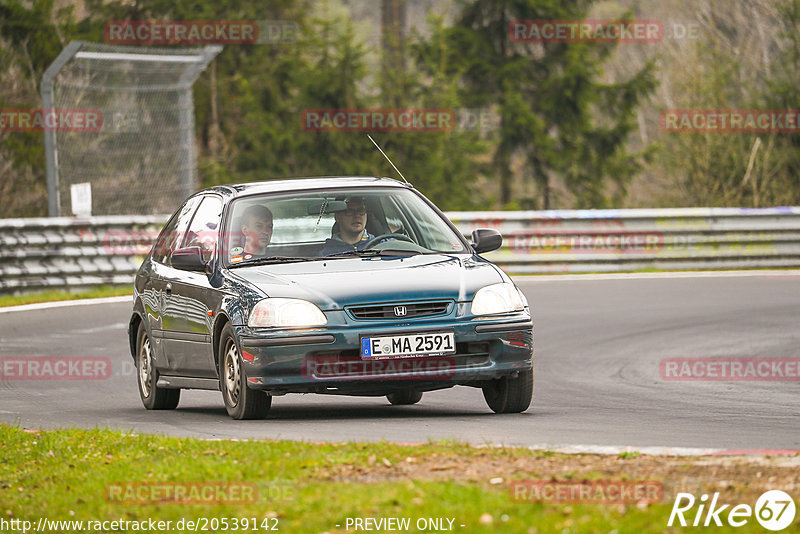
<point>327,360</point>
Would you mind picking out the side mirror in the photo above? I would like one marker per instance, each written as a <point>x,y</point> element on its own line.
<point>189,259</point>
<point>486,240</point>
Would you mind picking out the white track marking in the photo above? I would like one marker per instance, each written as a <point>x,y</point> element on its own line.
<point>616,450</point>
<point>664,275</point>
<point>66,303</point>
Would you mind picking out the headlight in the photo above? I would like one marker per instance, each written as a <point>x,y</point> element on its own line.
<point>497,298</point>
<point>285,312</point>
<point>523,298</point>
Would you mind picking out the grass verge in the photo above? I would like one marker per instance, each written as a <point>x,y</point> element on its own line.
<point>57,295</point>
<point>87,475</point>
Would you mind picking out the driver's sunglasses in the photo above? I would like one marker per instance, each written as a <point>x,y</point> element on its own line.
<point>350,212</point>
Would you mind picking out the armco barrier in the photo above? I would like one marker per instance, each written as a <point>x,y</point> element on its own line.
<point>64,252</point>
<point>629,240</point>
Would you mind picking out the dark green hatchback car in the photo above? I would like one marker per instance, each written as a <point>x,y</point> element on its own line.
<point>354,286</point>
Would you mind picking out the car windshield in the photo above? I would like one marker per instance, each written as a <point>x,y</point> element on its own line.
<point>335,223</point>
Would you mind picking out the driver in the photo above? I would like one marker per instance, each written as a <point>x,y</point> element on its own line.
<point>257,230</point>
<point>352,229</point>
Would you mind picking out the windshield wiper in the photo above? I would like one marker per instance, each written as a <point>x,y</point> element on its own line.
<point>376,252</point>
<point>270,260</point>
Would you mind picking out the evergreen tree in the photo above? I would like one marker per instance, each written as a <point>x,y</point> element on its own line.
<point>555,113</point>
<point>779,181</point>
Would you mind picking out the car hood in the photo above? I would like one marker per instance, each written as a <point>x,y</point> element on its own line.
<point>334,284</point>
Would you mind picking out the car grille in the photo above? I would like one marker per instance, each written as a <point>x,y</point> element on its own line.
<point>468,355</point>
<point>400,310</point>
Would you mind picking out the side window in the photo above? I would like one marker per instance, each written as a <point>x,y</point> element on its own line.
<point>172,234</point>
<point>204,228</point>
<point>395,221</point>
<point>434,233</point>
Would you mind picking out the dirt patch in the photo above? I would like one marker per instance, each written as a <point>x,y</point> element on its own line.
<point>740,478</point>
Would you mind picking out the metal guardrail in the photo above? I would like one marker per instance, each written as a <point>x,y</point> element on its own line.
<point>62,252</point>
<point>641,239</point>
<point>67,253</point>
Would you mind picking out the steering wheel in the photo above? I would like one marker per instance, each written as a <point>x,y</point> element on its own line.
<point>377,239</point>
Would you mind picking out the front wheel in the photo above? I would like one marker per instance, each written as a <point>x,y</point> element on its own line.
<point>241,402</point>
<point>153,397</point>
<point>509,394</point>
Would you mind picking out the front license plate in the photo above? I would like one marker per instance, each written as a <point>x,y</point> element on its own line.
<point>408,346</point>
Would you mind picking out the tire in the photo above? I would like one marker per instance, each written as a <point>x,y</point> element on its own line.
<point>240,401</point>
<point>509,395</point>
<point>153,397</point>
<point>404,398</point>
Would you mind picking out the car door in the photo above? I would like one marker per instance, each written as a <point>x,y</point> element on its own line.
<point>169,320</point>
<point>153,290</point>
<point>193,298</point>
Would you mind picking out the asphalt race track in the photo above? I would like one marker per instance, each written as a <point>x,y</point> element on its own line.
<point>598,344</point>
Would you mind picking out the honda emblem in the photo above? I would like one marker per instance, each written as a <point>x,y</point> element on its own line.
<point>400,311</point>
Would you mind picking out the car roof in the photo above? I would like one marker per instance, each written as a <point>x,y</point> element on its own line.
<point>304,184</point>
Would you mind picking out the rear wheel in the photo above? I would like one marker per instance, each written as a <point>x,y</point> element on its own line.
<point>509,394</point>
<point>153,397</point>
<point>241,402</point>
<point>404,398</point>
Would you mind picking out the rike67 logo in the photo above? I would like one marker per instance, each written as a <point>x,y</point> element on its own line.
<point>774,511</point>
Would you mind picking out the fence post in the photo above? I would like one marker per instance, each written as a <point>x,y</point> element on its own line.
<point>50,147</point>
